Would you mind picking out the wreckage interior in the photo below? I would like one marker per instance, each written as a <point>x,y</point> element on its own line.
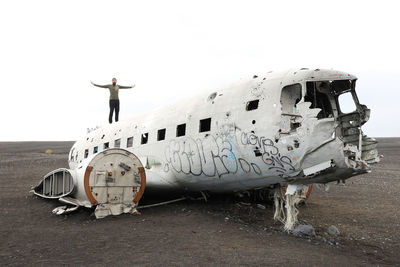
<point>55,184</point>
<point>336,101</point>
<point>318,94</point>
<point>332,97</point>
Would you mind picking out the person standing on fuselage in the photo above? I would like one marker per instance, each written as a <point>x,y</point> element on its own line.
<point>114,99</point>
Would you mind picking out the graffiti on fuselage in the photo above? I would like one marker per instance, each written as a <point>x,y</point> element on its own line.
<point>269,152</point>
<point>219,155</point>
<point>209,156</point>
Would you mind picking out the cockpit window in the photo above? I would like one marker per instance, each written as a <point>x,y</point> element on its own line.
<point>340,86</point>
<point>346,103</point>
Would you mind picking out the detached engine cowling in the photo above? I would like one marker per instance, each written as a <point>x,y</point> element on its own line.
<point>113,180</point>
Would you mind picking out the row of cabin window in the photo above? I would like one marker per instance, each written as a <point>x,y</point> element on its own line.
<point>205,126</point>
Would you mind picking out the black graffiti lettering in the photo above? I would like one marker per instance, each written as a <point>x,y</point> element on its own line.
<point>217,156</point>
<point>209,149</point>
<point>185,163</point>
<point>269,146</point>
<point>287,161</point>
<point>278,162</point>
<point>256,169</point>
<point>166,167</point>
<point>228,157</point>
<point>243,138</point>
<point>270,152</point>
<point>244,165</point>
<point>253,139</point>
<point>172,156</point>
<point>191,153</point>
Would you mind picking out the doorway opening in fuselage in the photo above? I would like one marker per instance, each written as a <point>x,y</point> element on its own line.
<point>290,96</point>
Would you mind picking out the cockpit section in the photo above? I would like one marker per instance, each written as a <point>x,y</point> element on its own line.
<point>335,99</point>
<point>334,103</point>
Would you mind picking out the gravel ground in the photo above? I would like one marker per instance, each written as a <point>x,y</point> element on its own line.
<point>222,231</point>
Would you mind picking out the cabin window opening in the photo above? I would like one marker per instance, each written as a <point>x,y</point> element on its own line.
<point>145,138</point>
<point>117,143</point>
<point>205,125</point>
<point>161,134</point>
<point>181,130</point>
<point>76,156</point>
<point>106,145</point>
<point>318,94</point>
<point>129,142</point>
<point>86,153</point>
<point>252,105</point>
<point>290,96</point>
<point>95,149</point>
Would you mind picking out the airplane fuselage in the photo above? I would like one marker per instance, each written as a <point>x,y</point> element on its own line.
<point>277,128</point>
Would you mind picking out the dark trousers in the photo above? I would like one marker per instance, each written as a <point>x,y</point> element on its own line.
<point>114,105</point>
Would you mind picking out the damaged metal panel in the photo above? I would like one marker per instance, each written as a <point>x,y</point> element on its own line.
<point>55,184</point>
<point>113,181</point>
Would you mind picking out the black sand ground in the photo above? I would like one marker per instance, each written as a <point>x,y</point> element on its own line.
<point>219,232</point>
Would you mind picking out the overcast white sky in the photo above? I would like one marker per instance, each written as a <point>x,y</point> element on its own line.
<point>51,50</point>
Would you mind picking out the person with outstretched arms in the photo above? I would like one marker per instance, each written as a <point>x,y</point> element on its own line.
<point>114,99</point>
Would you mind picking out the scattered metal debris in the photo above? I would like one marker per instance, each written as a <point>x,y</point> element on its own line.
<point>64,210</point>
<point>162,203</point>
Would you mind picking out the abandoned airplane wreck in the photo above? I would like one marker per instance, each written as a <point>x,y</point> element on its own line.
<point>273,131</point>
